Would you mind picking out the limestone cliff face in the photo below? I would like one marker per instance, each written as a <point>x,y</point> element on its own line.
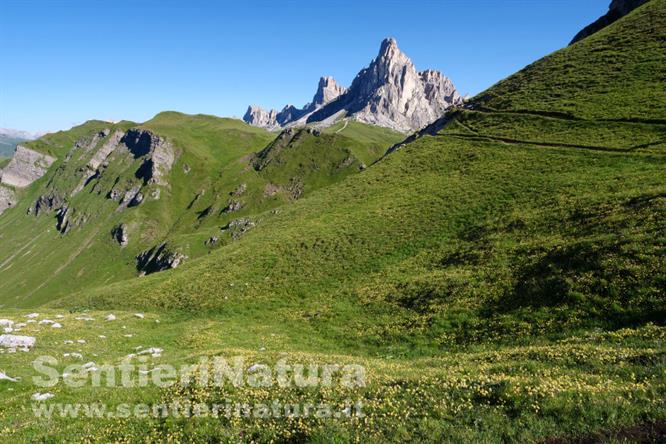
<point>143,158</point>
<point>158,152</point>
<point>103,152</point>
<point>616,10</point>
<point>7,198</point>
<point>390,92</point>
<point>25,167</point>
<point>327,90</point>
<point>257,116</point>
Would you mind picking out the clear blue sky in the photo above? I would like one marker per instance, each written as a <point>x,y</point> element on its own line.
<point>68,61</point>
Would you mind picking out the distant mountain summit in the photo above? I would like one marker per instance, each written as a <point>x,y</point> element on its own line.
<point>390,92</point>
<point>327,91</point>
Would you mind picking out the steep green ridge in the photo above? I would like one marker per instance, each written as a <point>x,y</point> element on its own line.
<point>53,263</point>
<point>618,73</point>
<point>212,170</point>
<point>58,144</point>
<point>318,159</point>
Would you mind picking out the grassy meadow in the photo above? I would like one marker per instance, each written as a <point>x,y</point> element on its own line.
<point>501,279</point>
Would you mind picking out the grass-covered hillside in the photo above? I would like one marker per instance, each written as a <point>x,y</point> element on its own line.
<point>213,180</point>
<point>504,221</point>
<point>501,280</point>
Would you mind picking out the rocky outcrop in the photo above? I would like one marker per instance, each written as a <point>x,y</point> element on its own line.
<point>327,90</point>
<point>120,235</point>
<point>616,10</point>
<point>390,92</point>
<point>25,167</point>
<point>158,158</point>
<point>46,203</point>
<point>212,241</point>
<point>7,198</point>
<point>257,116</point>
<point>132,197</point>
<point>232,206</point>
<point>158,258</point>
<point>68,218</point>
<point>238,227</point>
<point>63,224</point>
<point>158,152</point>
<point>105,150</point>
<point>88,143</point>
<point>93,168</point>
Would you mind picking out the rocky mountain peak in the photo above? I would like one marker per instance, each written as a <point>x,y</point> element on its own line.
<point>257,116</point>
<point>390,92</point>
<point>387,44</point>
<point>391,66</point>
<point>389,53</point>
<point>327,91</point>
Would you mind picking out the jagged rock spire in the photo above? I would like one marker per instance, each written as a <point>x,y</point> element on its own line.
<point>390,92</point>
<point>257,116</point>
<point>327,91</point>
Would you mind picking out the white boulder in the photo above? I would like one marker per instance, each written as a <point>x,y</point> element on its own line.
<point>14,341</point>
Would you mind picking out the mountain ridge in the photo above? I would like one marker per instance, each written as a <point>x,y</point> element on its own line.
<point>390,92</point>
<point>616,10</point>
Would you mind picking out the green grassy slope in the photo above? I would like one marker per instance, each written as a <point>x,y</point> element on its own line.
<point>58,144</point>
<point>618,73</point>
<point>503,280</point>
<point>474,232</point>
<point>318,159</point>
<point>487,394</point>
<point>52,263</point>
<point>213,168</point>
